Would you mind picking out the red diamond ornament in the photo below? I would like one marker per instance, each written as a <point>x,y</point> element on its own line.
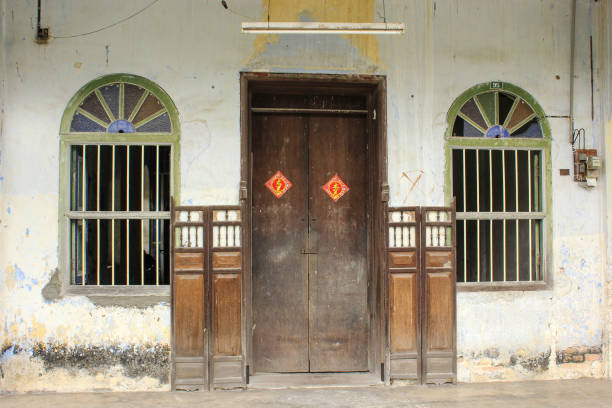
<point>278,184</point>
<point>335,188</point>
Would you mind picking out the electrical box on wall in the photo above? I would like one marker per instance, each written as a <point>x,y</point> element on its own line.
<point>587,166</point>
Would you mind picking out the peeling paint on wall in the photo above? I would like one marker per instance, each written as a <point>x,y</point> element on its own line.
<point>272,51</point>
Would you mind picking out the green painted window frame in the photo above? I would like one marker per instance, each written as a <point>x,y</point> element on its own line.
<point>68,138</point>
<point>542,144</point>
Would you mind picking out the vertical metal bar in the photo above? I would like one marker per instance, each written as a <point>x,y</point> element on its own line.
<point>464,221</point>
<point>530,224</point>
<point>478,209</point>
<point>463,164</point>
<point>516,208</point>
<point>127,178</point>
<point>142,157</point>
<point>98,222</point>
<point>530,257</point>
<point>127,251</point>
<point>98,253</point>
<point>73,250</point>
<point>465,250</point>
<point>83,265</point>
<point>127,208</point>
<point>113,251</point>
<point>504,250</point>
<point>113,220</point>
<point>83,208</point>
<point>478,248</point>
<point>113,181</point>
<point>142,252</point>
<point>98,182</point>
<point>84,183</point>
<point>491,209</point>
<point>517,250</point>
<point>536,184</point>
<point>538,253</point>
<point>157,252</point>
<point>142,282</point>
<point>503,153</point>
<point>156,209</point>
<point>156,177</point>
<point>516,181</point>
<point>478,180</point>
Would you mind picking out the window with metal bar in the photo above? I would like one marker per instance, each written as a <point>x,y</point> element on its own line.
<point>119,214</point>
<point>499,214</point>
<point>498,145</point>
<point>119,140</point>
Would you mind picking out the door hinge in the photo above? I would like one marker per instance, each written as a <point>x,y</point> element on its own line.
<point>374,114</point>
<point>309,251</point>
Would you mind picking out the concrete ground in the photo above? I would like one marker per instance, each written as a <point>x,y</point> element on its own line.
<point>588,393</point>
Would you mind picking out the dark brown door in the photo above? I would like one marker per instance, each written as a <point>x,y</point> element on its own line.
<point>310,257</point>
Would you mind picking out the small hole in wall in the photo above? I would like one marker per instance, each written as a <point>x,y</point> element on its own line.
<point>557,77</point>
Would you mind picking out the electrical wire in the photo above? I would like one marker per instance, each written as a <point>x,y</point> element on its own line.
<point>107,26</point>
<point>577,136</point>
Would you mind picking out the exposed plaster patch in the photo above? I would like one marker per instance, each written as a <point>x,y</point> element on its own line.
<point>317,10</point>
<point>51,291</point>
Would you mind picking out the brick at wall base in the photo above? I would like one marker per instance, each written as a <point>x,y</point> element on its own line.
<point>579,354</point>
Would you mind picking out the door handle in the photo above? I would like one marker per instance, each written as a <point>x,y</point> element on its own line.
<point>309,251</point>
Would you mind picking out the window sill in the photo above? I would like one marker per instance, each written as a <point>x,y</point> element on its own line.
<point>126,296</point>
<point>501,286</point>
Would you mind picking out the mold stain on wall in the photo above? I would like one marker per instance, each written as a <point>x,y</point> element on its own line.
<point>57,367</point>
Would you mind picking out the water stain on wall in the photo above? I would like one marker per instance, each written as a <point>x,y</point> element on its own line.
<point>358,11</point>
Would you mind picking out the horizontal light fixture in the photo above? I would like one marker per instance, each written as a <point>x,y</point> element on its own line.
<point>322,28</point>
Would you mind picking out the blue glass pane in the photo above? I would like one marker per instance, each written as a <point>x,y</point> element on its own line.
<point>463,128</point>
<point>80,123</point>
<point>498,132</point>
<point>110,93</point>
<point>159,124</point>
<point>531,129</point>
<point>121,126</point>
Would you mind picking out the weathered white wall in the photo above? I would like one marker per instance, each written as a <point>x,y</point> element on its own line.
<point>195,51</point>
<point>604,122</point>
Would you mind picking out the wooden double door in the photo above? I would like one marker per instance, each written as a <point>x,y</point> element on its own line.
<point>310,264</point>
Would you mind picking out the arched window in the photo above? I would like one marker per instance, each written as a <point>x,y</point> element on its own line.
<point>119,146</point>
<point>498,153</point>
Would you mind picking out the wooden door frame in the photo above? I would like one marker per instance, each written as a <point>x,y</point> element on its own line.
<point>374,88</point>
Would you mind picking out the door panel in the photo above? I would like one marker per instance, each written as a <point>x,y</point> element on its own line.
<point>189,315</point>
<point>339,321</point>
<point>310,268</point>
<point>439,311</point>
<point>403,317</point>
<point>226,322</point>
<point>279,233</point>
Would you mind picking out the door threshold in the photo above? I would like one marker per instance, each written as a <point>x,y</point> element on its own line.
<point>271,381</point>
